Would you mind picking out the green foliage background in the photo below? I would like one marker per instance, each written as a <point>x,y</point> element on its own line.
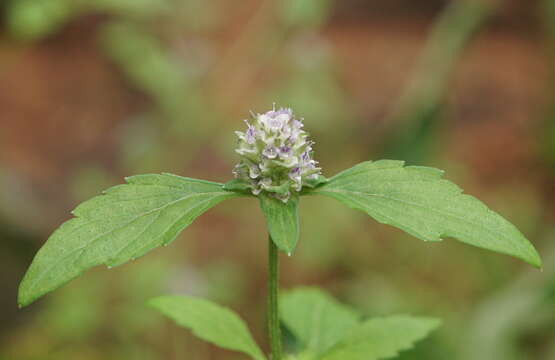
<point>95,90</point>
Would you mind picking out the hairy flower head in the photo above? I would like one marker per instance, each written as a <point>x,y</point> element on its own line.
<point>276,155</point>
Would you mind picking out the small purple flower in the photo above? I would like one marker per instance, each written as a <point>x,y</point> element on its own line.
<point>270,152</point>
<point>284,151</point>
<point>250,135</point>
<point>297,125</point>
<point>305,156</point>
<point>275,124</point>
<point>295,174</point>
<point>285,111</point>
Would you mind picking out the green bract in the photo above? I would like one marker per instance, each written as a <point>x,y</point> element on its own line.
<point>282,221</point>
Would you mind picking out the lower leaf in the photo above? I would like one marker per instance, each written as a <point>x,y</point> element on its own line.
<point>210,322</point>
<point>316,319</point>
<point>382,338</point>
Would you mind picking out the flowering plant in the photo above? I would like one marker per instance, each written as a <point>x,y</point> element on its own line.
<point>276,166</point>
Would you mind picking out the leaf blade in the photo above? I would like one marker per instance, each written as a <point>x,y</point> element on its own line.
<point>418,201</point>
<point>210,322</point>
<point>315,318</point>
<point>382,338</point>
<point>282,220</point>
<point>125,222</point>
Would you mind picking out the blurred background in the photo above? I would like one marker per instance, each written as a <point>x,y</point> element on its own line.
<point>94,90</point>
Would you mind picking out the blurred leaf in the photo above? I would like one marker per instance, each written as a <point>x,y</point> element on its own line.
<point>315,318</point>
<point>312,87</point>
<point>124,223</point>
<point>152,68</point>
<point>209,322</point>
<point>418,201</point>
<point>417,139</point>
<point>382,338</point>
<point>282,220</point>
<point>148,8</point>
<point>35,19</point>
<point>306,13</point>
<point>143,58</point>
<point>198,15</point>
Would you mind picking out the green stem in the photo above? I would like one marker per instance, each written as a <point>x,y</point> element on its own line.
<point>273,314</point>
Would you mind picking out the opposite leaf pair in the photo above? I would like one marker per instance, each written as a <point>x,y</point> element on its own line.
<point>325,329</point>
<point>129,220</point>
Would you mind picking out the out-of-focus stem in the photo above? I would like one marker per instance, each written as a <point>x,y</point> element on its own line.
<point>417,110</point>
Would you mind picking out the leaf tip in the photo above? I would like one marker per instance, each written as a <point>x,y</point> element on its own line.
<point>285,247</point>
<point>20,303</point>
<point>435,323</point>
<point>151,303</point>
<point>287,250</point>
<point>24,301</point>
<point>535,260</point>
<point>530,255</point>
<point>23,298</point>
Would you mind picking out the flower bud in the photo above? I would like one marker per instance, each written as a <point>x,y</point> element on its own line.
<point>276,155</point>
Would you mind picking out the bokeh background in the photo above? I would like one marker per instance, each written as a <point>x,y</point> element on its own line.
<point>94,90</point>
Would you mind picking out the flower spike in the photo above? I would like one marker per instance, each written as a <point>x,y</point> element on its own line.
<point>276,155</point>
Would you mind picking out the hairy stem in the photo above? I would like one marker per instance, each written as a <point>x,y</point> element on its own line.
<point>273,314</point>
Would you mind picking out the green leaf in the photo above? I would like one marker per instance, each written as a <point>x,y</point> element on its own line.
<point>210,322</point>
<point>382,338</point>
<point>315,318</point>
<point>417,200</point>
<point>124,223</point>
<point>282,220</point>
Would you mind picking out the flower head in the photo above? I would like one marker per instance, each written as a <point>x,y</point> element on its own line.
<point>276,155</point>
